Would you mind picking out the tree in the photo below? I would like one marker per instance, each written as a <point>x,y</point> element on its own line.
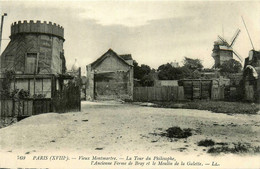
<point>143,73</point>
<point>190,70</point>
<point>140,71</point>
<point>147,80</point>
<point>193,64</point>
<point>168,72</point>
<point>230,66</point>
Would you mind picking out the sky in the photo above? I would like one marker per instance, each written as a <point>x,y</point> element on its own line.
<point>154,32</point>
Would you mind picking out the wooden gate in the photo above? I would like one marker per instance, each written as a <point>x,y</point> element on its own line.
<point>196,89</point>
<point>249,92</point>
<point>67,99</point>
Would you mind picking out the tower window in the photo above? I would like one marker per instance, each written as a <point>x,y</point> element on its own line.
<point>31,65</point>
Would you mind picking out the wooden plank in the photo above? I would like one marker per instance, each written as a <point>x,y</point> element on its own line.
<point>9,108</point>
<point>163,93</point>
<point>30,107</point>
<point>249,92</point>
<point>181,93</point>
<point>137,95</point>
<point>187,85</point>
<point>4,108</point>
<point>1,108</point>
<point>143,94</point>
<point>149,94</point>
<point>175,93</point>
<point>154,93</point>
<point>169,93</point>
<point>158,93</point>
<point>24,110</point>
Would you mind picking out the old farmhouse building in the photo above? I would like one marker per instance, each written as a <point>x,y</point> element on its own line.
<point>110,77</point>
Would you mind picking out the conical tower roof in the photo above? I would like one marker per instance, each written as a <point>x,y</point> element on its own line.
<point>75,66</point>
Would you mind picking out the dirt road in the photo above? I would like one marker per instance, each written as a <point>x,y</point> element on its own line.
<point>118,128</point>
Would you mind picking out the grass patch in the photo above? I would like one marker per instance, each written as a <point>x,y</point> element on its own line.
<point>206,143</point>
<point>238,148</point>
<point>215,106</point>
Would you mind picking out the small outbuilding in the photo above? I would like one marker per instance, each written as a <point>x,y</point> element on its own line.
<point>110,77</point>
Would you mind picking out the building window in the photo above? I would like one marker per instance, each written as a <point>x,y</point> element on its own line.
<point>31,65</point>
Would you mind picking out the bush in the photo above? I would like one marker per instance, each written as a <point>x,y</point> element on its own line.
<point>177,132</point>
<point>206,143</point>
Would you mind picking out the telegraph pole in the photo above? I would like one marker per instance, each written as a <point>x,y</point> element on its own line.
<point>1,31</point>
<point>248,33</point>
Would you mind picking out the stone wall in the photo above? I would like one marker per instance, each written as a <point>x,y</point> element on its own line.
<point>113,85</point>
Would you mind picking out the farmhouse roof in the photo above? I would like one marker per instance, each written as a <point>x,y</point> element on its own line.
<point>105,55</point>
<point>126,56</point>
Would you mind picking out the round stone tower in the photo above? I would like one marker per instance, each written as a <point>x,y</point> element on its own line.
<point>35,48</point>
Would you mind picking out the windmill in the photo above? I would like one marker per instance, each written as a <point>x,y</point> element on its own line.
<point>223,51</point>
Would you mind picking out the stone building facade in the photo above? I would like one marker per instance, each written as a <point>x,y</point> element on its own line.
<point>110,77</point>
<point>35,48</point>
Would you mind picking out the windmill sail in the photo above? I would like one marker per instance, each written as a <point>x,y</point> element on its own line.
<point>234,37</point>
<point>223,50</point>
<point>223,40</point>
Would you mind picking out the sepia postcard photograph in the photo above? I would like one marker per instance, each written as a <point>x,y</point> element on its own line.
<point>125,84</point>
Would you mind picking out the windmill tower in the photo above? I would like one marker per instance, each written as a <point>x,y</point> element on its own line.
<point>223,51</point>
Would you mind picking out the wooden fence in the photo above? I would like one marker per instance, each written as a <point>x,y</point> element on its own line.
<point>164,93</point>
<point>61,94</point>
<point>177,93</point>
<point>24,107</point>
<point>64,101</point>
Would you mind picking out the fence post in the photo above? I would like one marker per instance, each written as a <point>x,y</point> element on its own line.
<point>80,89</point>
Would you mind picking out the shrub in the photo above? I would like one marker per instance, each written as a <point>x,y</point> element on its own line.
<point>177,132</point>
<point>206,143</point>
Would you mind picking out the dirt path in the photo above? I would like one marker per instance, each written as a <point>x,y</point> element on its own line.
<point>118,128</point>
